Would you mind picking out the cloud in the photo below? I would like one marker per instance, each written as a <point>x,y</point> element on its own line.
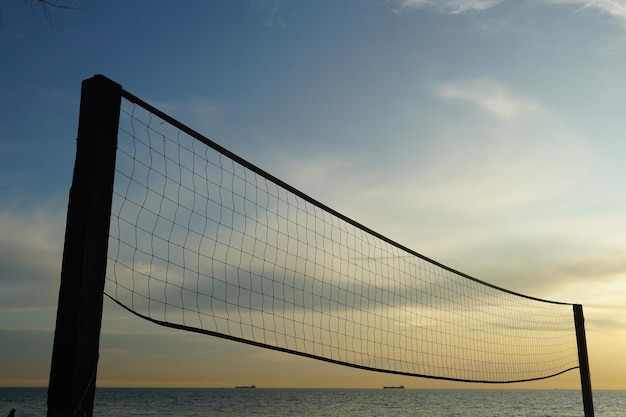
<point>272,10</point>
<point>489,96</point>
<point>494,184</point>
<point>31,245</point>
<point>614,8</point>
<point>505,160</point>
<point>448,6</point>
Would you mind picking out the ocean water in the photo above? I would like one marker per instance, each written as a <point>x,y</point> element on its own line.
<point>325,402</point>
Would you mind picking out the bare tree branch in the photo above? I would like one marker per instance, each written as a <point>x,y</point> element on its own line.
<point>47,5</point>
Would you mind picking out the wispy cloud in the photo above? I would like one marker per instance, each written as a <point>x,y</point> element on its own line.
<point>274,18</point>
<point>489,96</point>
<point>272,9</point>
<point>495,178</point>
<point>31,245</point>
<point>615,8</point>
<point>448,6</point>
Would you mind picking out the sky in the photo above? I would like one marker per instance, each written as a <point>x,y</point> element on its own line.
<point>484,134</point>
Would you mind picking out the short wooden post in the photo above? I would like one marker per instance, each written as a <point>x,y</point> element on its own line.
<point>72,382</point>
<point>583,360</point>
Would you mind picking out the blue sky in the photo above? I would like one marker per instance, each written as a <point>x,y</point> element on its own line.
<point>485,134</point>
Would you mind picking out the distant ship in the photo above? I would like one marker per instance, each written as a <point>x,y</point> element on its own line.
<point>395,387</point>
<point>246,386</point>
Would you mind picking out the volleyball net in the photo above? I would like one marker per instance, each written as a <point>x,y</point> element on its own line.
<point>204,241</point>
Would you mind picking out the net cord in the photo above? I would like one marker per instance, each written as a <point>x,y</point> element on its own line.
<point>322,358</point>
<point>136,100</point>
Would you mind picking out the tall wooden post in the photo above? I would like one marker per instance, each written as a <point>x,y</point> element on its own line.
<point>583,360</point>
<point>72,382</point>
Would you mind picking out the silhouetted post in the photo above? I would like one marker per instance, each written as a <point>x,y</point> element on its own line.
<point>72,382</point>
<point>583,360</point>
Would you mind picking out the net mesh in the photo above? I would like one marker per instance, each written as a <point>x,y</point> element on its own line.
<point>202,240</point>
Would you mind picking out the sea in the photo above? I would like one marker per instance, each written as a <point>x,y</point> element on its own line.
<point>270,402</point>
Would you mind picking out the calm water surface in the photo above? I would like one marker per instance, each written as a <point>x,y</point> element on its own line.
<point>326,402</point>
